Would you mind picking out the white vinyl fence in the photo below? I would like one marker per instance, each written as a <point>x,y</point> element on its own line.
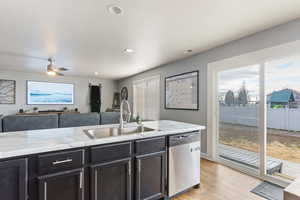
<point>280,118</point>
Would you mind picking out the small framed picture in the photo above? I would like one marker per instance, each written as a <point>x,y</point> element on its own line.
<point>7,91</point>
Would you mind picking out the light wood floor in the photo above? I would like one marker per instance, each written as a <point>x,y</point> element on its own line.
<point>222,183</point>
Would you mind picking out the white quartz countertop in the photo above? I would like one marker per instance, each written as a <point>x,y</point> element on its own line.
<point>13,144</point>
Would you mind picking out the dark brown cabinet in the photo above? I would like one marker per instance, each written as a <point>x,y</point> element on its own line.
<point>150,176</point>
<point>62,186</point>
<point>112,180</point>
<point>13,179</point>
<point>131,170</point>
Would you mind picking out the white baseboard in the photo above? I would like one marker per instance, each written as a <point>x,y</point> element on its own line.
<point>205,156</point>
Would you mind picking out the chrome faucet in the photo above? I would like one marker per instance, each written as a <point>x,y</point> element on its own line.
<point>121,113</point>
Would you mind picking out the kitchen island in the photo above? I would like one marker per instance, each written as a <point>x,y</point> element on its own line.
<point>67,164</point>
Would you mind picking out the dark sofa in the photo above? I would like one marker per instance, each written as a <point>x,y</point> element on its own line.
<point>29,122</point>
<point>109,118</point>
<point>33,122</point>
<point>1,116</point>
<point>75,120</point>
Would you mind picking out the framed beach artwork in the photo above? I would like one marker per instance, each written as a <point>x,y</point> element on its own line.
<point>47,93</point>
<point>181,91</point>
<point>7,91</point>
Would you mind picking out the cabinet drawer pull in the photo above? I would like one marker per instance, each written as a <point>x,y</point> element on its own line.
<point>57,162</point>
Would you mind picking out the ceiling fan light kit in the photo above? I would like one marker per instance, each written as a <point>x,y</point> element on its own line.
<point>51,73</point>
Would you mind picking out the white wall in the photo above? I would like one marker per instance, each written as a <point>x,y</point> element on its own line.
<point>275,36</point>
<point>81,91</point>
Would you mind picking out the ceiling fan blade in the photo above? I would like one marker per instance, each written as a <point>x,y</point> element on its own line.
<point>62,69</point>
<point>59,74</point>
<point>55,69</point>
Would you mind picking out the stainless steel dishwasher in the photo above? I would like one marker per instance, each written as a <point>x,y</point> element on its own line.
<point>184,162</point>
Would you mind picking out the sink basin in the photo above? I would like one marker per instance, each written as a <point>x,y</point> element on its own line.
<point>114,131</point>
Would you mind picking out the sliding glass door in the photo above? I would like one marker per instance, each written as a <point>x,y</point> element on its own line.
<point>283,115</point>
<point>238,107</point>
<point>257,118</point>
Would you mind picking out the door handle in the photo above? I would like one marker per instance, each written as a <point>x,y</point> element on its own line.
<point>138,194</point>
<point>129,168</point>
<point>45,190</point>
<point>139,166</point>
<point>81,180</point>
<point>96,184</point>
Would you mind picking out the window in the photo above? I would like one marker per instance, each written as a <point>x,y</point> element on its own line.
<point>146,98</point>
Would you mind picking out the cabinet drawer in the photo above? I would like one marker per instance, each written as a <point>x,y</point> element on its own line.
<point>110,152</point>
<point>62,161</point>
<point>150,145</point>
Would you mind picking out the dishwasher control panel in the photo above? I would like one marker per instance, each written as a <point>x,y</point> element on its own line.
<point>184,138</point>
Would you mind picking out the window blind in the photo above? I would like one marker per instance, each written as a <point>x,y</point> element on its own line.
<point>146,98</point>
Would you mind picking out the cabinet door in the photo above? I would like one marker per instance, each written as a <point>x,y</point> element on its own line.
<point>150,177</point>
<point>111,181</point>
<point>13,183</point>
<point>62,186</point>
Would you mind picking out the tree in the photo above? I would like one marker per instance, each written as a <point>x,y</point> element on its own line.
<point>242,98</point>
<point>229,98</point>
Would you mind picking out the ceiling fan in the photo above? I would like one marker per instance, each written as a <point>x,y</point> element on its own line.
<point>54,70</point>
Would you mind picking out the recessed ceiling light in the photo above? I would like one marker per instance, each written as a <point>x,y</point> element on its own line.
<point>128,50</point>
<point>113,9</point>
<point>188,51</point>
<point>96,73</point>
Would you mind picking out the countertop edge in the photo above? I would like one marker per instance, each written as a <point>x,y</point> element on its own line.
<point>22,152</point>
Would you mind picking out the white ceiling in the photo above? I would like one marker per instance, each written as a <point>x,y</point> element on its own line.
<point>85,37</point>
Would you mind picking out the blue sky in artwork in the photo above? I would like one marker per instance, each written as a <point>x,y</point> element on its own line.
<point>46,87</point>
